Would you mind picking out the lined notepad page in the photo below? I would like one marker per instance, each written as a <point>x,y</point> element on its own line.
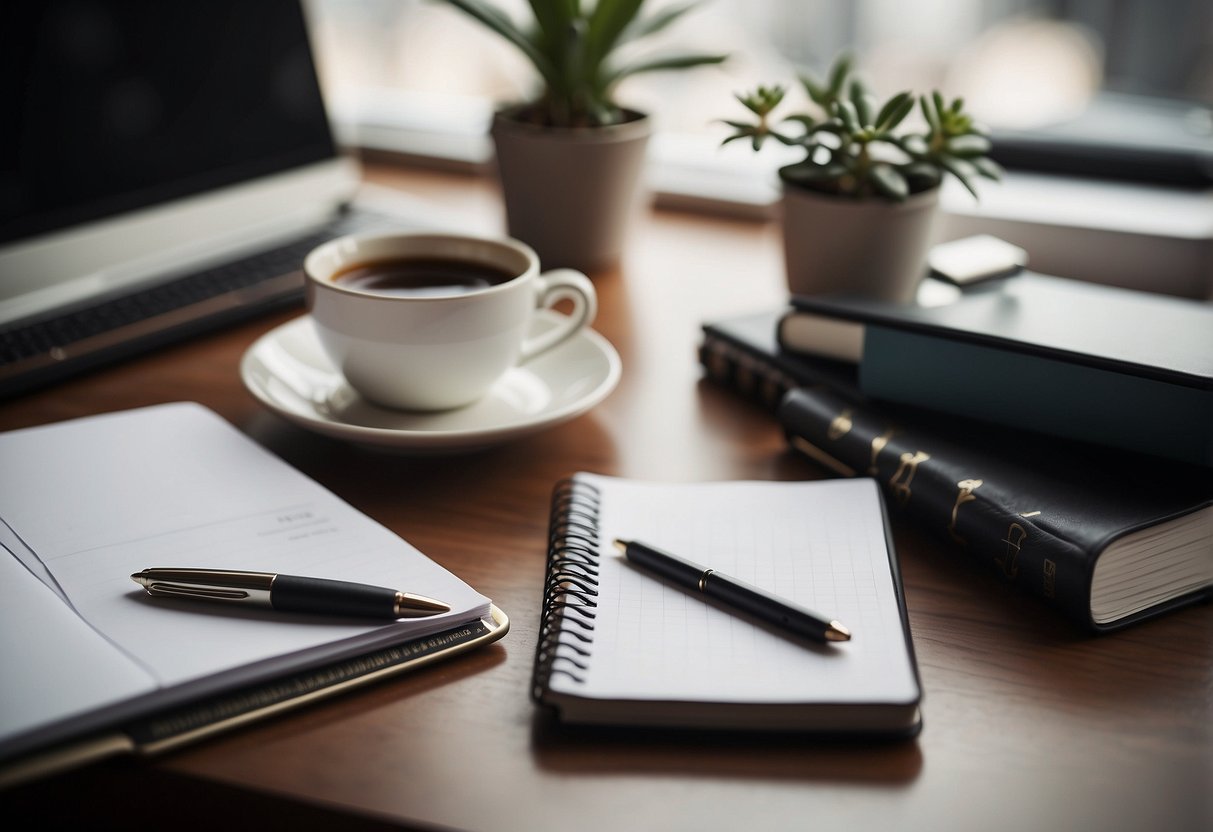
<point>819,544</point>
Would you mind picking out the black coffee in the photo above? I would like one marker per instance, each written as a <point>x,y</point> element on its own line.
<point>415,277</point>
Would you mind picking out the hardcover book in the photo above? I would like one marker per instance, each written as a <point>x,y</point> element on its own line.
<point>1091,363</point>
<point>1106,537</point>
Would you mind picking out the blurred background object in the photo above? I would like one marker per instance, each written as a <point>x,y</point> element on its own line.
<point>1113,94</point>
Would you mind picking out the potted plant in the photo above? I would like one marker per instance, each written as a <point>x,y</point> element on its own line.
<point>858,208</point>
<point>570,160</point>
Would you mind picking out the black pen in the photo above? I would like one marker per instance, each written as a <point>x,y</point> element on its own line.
<point>287,593</point>
<point>733,593</point>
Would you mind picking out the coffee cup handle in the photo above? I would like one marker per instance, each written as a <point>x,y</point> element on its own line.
<point>551,288</point>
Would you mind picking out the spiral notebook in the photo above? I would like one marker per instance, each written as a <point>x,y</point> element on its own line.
<point>619,646</point>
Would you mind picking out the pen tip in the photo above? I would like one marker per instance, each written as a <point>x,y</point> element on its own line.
<point>409,605</point>
<point>139,578</point>
<point>837,632</point>
<point>622,546</point>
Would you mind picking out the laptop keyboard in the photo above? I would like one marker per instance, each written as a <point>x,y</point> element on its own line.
<point>49,349</point>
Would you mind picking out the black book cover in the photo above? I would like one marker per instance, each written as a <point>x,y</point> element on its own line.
<point>1129,370</point>
<point>1036,512</point>
<point>1124,331</point>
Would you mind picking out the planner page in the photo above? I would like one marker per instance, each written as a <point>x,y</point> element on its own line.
<point>98,499</point>
<point>821,545</point>
<point>56,667</point>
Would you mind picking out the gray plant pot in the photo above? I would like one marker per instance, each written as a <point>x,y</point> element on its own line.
<point>870,247</point>
<point>571,193</point>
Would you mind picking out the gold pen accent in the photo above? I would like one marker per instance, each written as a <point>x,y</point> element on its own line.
<point>837,632</point>
<point>412,605</point>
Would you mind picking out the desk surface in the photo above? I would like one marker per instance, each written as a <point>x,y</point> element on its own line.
<point>1029,724</point>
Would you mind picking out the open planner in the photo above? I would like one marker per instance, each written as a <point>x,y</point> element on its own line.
<point>93,666</point>
<point>619,646</point>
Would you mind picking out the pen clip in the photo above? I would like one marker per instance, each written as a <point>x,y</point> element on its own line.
<point>207,584</point>
<point>208,592</point>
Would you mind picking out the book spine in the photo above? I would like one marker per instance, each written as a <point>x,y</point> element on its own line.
<point>946,491</point>
<point>570,592</point>
<point>760,376</point>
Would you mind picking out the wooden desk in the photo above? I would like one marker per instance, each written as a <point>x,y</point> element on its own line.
<point>1029,724</point>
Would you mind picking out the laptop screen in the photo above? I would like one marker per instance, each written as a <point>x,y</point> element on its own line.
<point>110,107</point>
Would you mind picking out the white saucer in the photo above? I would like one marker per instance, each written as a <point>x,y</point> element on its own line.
<point>287,370</point>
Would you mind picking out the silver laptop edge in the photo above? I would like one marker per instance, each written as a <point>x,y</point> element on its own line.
<point>56,269</point>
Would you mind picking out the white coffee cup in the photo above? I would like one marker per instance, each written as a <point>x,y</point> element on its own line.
<point>444,348</point>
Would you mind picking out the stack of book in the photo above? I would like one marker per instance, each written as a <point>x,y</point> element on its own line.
<point>1059,432</point>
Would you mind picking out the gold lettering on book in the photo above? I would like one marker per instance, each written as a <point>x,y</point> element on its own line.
<point>878,445</point>
<point>1050,585</point>
<point>813,452</point>
<point>841,425</point>
<point>965,495</point>
<point>1016,534</point>
<point>900,481</point>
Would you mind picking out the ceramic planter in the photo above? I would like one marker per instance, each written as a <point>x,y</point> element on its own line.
<point>570,192</point>
<point>870,247</point>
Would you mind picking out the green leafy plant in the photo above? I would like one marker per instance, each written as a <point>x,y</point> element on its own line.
<point>572,45</point>
<point>854,147</point>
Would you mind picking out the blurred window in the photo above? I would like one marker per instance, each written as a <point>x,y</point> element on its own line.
<point>419,77</point>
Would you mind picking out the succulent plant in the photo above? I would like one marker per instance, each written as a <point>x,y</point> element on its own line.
<point>853,147</point>
<point>572,45</point>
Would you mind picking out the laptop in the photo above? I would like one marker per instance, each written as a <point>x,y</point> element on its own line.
<point>164,168</point>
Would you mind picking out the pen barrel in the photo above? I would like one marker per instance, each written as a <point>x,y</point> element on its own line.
<point>765,607</point>
<point>291,593</point>
<point>662,563</point>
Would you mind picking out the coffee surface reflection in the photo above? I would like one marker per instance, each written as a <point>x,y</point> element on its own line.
<point>416,277</point>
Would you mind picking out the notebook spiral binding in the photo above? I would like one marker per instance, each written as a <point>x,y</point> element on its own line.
<point>566,623</point>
